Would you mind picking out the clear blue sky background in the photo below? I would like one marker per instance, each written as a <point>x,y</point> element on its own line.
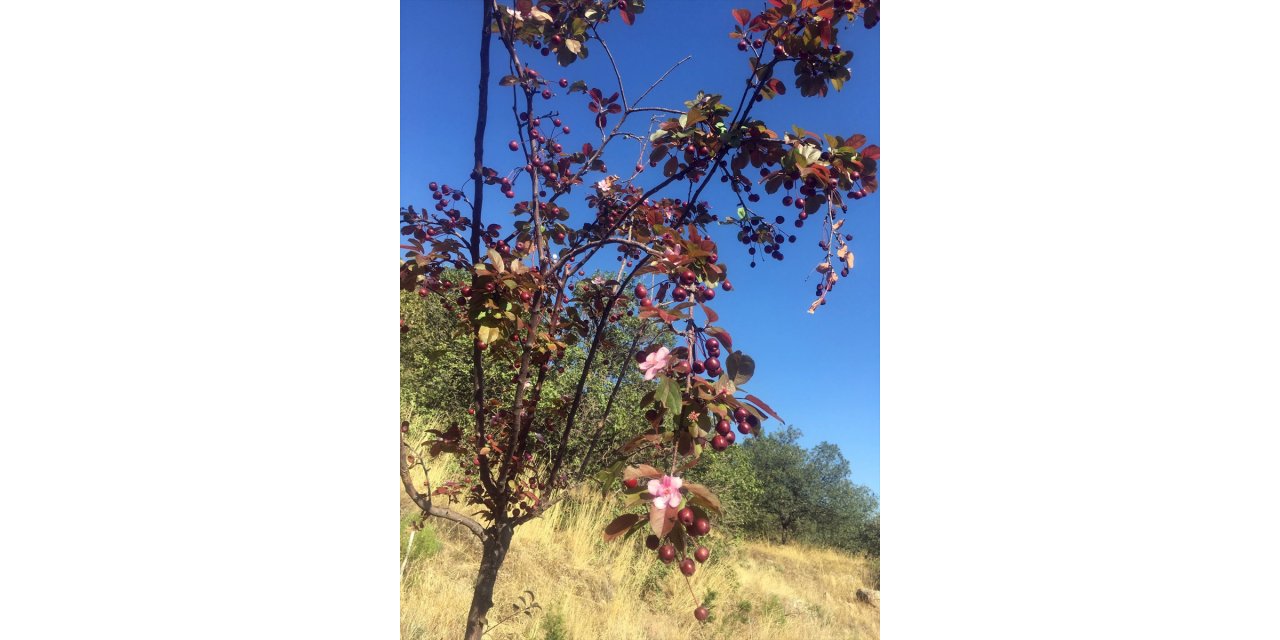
<point>820,372</point>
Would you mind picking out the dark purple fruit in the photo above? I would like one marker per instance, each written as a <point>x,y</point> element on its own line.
<point>667,553</point>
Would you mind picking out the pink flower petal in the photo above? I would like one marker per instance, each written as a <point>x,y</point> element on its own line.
<point>654,487</point>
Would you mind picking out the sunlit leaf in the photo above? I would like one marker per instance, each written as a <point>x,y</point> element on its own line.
<point>661,520</point>
<point>703,496</point>
<point>640,471</point>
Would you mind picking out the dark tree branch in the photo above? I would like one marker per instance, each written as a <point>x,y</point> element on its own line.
<point>477,356</point>
<point>608,407</point>
<point>586,369</point>
<point>616,74</point>
<point>424,502</point>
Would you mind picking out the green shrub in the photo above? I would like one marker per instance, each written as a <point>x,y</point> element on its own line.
<point>772,612</point>
<point>425,543</point>
<point>553,624</point>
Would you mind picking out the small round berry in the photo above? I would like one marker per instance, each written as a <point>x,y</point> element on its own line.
<point>687,567</point>
<point>701,527</point>
<point>701,554</point>
<point>667,553</point>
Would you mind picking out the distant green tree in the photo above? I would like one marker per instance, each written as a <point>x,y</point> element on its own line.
<point>733,477</point>
<point>786,493</point>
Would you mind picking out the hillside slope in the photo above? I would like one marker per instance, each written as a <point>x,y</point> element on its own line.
<point>589,589</point>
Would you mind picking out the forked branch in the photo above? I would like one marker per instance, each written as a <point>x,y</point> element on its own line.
<point>424,502</point>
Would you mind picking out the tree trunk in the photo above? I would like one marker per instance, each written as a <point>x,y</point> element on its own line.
<point>493,554</point>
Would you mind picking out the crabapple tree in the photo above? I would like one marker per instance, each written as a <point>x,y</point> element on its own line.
<point>526,296</point>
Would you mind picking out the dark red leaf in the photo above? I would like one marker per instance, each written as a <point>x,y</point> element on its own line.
<point>741,16</point>
<point>628,17</point>
<point>620,525</point>
<point>763,407</point>
<point>722,335</point>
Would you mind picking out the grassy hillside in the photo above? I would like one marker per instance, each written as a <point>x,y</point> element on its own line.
<point>589,589</point>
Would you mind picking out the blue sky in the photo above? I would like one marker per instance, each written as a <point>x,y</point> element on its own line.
<point>821,372</point>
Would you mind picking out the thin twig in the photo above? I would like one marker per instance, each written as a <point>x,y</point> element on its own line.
<point>616,74</point>
<point>660,79</point>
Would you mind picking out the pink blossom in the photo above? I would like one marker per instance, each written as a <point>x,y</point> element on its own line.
<point>655,362</point>
<point>666,492</point>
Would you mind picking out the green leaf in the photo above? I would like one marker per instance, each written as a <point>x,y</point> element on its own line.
<point>742,213</point>
<point>740,367</point>
<point>669,394</point>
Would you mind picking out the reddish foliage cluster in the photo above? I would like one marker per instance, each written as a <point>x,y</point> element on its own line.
<point>526,296</point>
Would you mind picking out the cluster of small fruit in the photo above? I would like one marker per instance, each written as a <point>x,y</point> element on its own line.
<point>443,194</point>
<point>695,526</point>
<point>547,160</point>
<point>682,286</point>
<point>724,437</point>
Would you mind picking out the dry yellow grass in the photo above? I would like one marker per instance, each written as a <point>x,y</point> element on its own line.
<point>620,590</point>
